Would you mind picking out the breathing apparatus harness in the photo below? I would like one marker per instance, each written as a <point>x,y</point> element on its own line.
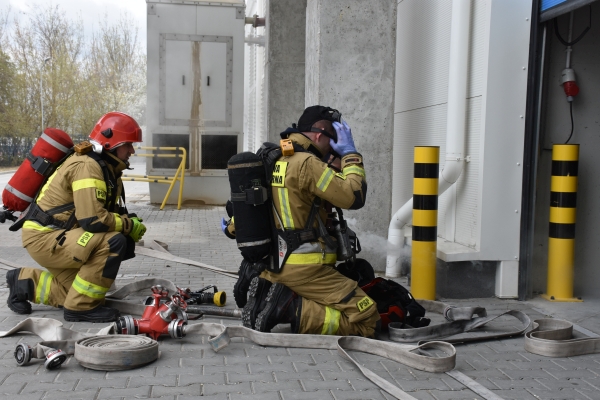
<point>45,218</point>
<point>250,177</point>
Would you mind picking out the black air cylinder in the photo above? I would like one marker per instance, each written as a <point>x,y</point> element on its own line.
<point>251,197</point>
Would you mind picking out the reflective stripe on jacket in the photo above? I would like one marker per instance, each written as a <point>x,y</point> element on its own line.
<point>299,178</point>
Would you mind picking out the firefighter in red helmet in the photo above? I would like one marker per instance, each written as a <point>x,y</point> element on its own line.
<point>78,228</point>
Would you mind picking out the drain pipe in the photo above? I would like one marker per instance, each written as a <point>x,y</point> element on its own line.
<point>455,128</point>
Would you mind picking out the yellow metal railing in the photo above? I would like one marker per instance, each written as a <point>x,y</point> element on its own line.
<point>179,174</point>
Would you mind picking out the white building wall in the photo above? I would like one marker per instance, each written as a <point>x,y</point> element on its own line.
<point>479,217</point>
<point>423,52</point>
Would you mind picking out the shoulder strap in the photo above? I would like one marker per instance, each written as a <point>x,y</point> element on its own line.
<point>45,167</point>
<point>111,181</point>
<point>314,214</point>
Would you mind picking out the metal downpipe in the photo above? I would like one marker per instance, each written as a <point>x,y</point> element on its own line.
<point>455,127</point>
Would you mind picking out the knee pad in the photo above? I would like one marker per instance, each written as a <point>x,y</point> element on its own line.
<point>348,297</point>
<point>117,244</point>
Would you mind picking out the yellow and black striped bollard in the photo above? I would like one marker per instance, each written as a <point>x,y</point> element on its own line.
<point>561,242</point>
<point>424,231</point>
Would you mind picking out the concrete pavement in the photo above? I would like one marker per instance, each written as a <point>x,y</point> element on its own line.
<point>188,368</point>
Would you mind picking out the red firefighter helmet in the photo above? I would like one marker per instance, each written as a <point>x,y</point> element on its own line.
<point>114,129</point>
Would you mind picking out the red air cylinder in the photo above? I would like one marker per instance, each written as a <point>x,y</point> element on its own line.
<point>51,147</point>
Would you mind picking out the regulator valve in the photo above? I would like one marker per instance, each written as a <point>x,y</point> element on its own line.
<point>168,318</point>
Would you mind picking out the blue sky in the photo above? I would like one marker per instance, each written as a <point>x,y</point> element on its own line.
<point>91,11</point>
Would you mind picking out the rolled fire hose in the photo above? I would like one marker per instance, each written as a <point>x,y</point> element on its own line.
<point>554,338</point>
<point>103,351</point>
<point>115,353</point>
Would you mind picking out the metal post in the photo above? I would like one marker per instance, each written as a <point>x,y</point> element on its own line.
<point>42,90</point>
<point>42,99</point>
<point>561,241</point>
<point>424,231</point>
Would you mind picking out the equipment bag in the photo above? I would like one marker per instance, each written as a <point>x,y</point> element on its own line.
<point>49,149</point>
<point>395,303</point>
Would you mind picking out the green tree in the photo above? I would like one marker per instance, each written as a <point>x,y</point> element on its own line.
<point>44,58</point>
<point>12,145</point>
<point>116,66</point>
<point>7,77</point>
<point>46,50</point>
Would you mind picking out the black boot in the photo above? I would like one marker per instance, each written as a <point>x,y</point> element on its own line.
<point>19,292</point>
<point>257,294</point>
<point>98,314</point>
<point>282,306</point>
<point>246,273</point>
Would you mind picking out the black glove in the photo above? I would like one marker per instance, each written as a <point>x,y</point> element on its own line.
<point>229,208</point>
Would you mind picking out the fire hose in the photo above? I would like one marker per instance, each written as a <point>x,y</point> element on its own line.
<point>161,315</point>
<point>549,337</point>
<point>124,356</point>
<point>551,342</point>
<point>106,351</point>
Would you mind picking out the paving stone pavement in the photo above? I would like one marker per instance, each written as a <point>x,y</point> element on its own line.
<point>188,368</point>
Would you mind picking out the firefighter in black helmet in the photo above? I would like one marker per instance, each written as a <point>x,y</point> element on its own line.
<point>308,291</point>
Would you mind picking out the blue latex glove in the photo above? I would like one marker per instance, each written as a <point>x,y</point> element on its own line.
<point>223,225</point>
<point>345,143</point>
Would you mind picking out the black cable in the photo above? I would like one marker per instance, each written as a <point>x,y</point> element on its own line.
<point>572,124</point>
<point>563,41</point>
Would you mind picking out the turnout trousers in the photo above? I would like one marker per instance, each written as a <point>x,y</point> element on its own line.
<point>81,267</point>
<point>332,304</point>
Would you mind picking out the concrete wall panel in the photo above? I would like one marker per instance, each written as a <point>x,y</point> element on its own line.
<point>351,66</point>
<point>286,97</point>
<point>285,76</point>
